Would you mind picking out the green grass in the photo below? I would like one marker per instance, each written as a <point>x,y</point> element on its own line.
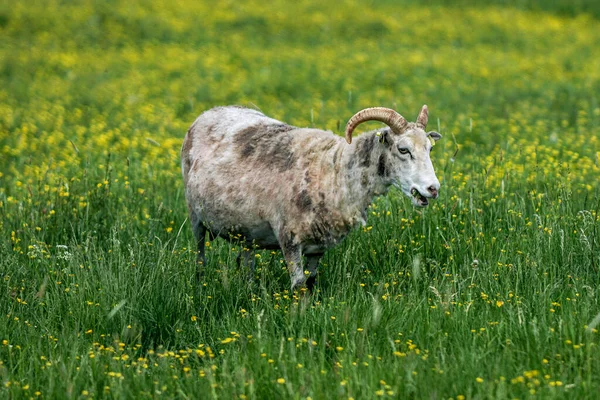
<point>491,292</point>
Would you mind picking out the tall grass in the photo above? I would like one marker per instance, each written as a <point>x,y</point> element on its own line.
<point>491,292</point>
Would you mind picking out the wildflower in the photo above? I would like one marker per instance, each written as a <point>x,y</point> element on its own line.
<point>281,381</point>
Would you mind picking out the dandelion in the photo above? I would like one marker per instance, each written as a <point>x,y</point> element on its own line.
<point>281,381</point>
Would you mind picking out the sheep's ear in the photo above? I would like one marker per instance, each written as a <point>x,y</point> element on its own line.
<point>434,135</point>
<point>384,137</point>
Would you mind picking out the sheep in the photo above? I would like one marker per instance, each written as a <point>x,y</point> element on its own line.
<point>300,190</point>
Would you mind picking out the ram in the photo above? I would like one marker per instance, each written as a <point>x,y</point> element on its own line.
<point>300,190</point>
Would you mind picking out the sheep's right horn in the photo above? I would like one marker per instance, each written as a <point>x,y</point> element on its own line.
<point>386,115</point>
<point>423,117</point>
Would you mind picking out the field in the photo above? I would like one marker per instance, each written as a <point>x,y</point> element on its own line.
<point>491,292</point>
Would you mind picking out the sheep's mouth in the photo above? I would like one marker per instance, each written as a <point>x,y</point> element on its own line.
<point>418,198</point>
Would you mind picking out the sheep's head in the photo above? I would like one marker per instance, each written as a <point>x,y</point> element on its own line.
<point>405,160</point>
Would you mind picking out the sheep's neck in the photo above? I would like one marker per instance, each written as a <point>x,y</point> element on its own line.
<point>361,177</point>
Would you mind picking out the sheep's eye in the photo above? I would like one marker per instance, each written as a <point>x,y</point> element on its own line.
<point>403,150</point>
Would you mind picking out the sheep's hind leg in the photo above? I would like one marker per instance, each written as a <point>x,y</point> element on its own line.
<point>200,234</point>
<point>245,259</point>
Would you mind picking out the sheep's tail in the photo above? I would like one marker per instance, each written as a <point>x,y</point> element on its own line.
<point>186,147</point>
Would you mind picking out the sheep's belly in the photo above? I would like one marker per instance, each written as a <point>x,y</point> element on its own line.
<point>259,234</point>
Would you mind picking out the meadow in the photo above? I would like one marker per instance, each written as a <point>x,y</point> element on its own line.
<point>490,292</point>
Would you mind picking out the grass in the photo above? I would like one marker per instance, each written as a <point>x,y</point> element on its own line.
<point>491,292</point>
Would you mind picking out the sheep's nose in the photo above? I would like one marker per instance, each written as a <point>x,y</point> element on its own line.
<point>433,190</point>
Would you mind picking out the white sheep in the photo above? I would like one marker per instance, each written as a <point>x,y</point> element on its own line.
<point>300,190</point>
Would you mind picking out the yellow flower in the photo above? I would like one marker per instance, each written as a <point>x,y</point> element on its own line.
<point>281,381</point>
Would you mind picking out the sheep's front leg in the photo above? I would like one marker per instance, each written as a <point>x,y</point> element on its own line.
<point>293,257</point>
<point>312,263</point>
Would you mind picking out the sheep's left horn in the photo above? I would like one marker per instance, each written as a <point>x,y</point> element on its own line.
<point>386,115</point>
<point>423,117</point>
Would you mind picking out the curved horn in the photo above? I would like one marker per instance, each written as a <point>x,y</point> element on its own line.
<point>386,115</point>
<point>423,117</point>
